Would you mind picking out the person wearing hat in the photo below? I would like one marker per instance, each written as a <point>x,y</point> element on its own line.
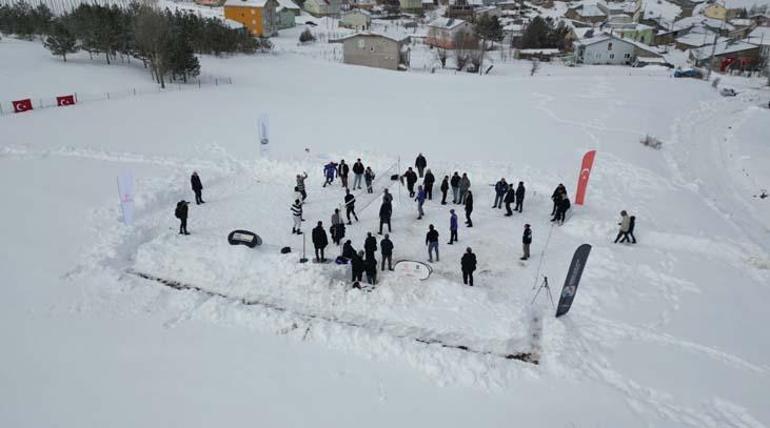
<point>181,214</point>
<point>526,239</point>
<point>452,226</point>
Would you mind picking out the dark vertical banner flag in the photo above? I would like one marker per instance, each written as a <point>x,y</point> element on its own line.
<point>20,106</point>
<point>573,279</point>
<point>65,100</point>
<point>585,172</point>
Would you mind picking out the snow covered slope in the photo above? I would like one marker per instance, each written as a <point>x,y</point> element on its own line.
<point>664,333</point>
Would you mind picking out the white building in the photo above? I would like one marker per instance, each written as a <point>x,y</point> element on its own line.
<point>322,7</point>
<point>607,49</point>
<point>443,32</point>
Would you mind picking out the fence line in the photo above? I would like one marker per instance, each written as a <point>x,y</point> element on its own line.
<point>6,107</point>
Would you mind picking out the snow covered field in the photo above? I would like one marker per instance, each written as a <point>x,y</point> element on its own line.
<point>665,333</point>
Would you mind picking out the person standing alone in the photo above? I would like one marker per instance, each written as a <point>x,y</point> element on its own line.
<point>452,227</point>
<point>468,208</point>
<point>526,239</point>
<point>420,163</point>
<point>197,188</point>
<point>358,174</point>
<point>431,240</point>
<point>444,189</point>
<point>320,241</point>
<point>468,266</point>
<point>181,214</point>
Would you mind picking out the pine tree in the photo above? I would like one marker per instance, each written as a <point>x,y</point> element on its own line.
<point>61,41</point>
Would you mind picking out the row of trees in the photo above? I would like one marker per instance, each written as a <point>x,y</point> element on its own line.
<point>165,42</point>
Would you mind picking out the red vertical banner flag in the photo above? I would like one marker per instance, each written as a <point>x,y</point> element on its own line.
<point>65,100</point>
<point>585,172</point>
<point>20,106</point>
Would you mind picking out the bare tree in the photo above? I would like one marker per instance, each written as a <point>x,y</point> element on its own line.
<point>464,43</point>
<point>441,54</point>
<point>152,37</point>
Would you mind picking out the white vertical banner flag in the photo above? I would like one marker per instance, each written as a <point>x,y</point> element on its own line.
<point>126,195</point>
<point>264,134</point>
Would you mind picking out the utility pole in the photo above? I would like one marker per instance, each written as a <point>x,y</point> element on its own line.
<point>714,47</point>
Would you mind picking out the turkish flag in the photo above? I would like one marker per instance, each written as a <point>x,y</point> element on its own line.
<point>65,100</point>
<point>20,106</point>
<point>585,172</point>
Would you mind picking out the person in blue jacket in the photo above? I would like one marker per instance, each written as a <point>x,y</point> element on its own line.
<point>330,171</point>
<point>420,202</point>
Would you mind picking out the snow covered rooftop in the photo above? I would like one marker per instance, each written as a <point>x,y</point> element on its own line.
<point>288,4</point>
<point>446,23</point>
<point>233,24</point>
<point>692,21</point>
<point>246,3</point>
<point>698,39</point>
<point>722,48</point>
<point>590,10</point>
<point>387,35</point>
<point>759,36</point>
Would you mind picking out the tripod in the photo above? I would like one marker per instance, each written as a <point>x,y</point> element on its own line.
<point>547,289</point>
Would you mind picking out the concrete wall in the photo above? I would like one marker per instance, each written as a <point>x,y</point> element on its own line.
<point>371,51</point>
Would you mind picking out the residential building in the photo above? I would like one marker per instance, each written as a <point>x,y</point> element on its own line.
<point>410,6</point>
<point>589,13</point>
<point>357,19</point>
<point>608,49</point>
<point>444,32</point>
<point>258,16</point>
<point>376,50</point>
<point>323,7</point>
<point>727,55</point>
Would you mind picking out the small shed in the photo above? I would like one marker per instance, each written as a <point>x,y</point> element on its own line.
<point>357,19</point>
<point>376,50</point>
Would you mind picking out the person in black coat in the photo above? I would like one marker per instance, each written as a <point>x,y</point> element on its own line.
<point>358,172</point>
<point>347,250</point>
<point>562,206</point>
<point>526,239</point>
<point>386,251</point>
<point>370,245</point>
<point>510,197</point>
<point>370,267</point>
<point>468,266</point>
<point>520,196</point>
<point>454,183</point>
<point>181,214</point>
<point>386,210</point>
<point>197,188</point>
<point>343,170</point>
<point>420,163</point>
<point>468,208</point>
<point>357,265</point>
<point>556,197</point>
<point>350,205</point>
<point>320,241</point>
<point>427,184</point>
<point>444,189</point>
<point>411,178</point>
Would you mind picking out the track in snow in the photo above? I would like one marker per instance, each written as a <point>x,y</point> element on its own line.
<point>527,357</point>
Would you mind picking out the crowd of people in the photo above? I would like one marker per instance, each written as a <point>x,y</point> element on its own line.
<point>364,262</point>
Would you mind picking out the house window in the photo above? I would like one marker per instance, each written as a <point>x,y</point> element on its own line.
<point>627,56</point>
<point>361,43</point>
<point>253,12</point>
<point>612,56</point>
<point>609,46</point>
<point>253,22</point>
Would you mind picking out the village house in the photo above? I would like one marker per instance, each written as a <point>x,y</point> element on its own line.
<point>258,16</point>
<point>357,19</point>
<point>727,55</point>
<point>608,49</point>
<point>588,13</point>
<point>443,32</point>
<point>410,6</point>
<point>760,36</point>
<point>287,12</point>
<point>376,50</point>
<point>323,7</point>
<point>623,26</point>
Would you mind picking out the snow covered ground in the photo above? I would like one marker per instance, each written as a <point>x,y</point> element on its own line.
<point>664,333</point>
